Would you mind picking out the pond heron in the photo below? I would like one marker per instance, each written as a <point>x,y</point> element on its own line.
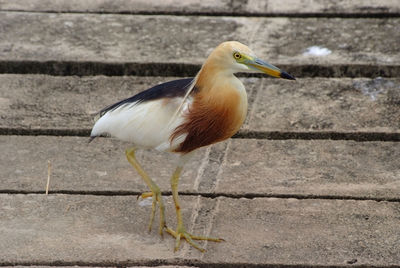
<point>183,115</point>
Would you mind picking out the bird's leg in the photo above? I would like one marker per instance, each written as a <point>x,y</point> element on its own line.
<point>180,231</point>
<point>155,191</point>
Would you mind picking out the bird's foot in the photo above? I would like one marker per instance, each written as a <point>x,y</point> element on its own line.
<point>182,233</point>
<point>157,198</point>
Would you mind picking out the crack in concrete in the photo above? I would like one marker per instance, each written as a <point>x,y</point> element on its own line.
<point>243,134</point>
<point>252,97</point>
<point>215,13</point>
<point>90,68</point>
<point>213,215</point>
<point>319,135</point>
<point>215,161</point>
<point>178,262</point>
<point>209,195</point>
<point>201,169</point>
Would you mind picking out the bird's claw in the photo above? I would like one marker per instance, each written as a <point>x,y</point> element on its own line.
<point>182,233</point>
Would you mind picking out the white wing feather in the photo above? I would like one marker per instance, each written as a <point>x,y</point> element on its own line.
<point>147,124</point>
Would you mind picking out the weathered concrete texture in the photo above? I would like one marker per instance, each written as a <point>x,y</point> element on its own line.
<point>79,166</point>
<point>319,168</point>
<point>259,167</point>
<point>78,228</point>
<point>341,105</point>
<point>267,7</point>
<point>184,39</point>
<point>37,101</point>
<point>43,266</point>
<point>162,266</point>
<point>112,231</point>
<point>308,232</point>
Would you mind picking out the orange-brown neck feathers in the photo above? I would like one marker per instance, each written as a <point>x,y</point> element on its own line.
<point>208,121</point>
<point>217,112</point>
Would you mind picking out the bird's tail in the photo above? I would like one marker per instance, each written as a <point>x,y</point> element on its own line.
<point>91,138</point>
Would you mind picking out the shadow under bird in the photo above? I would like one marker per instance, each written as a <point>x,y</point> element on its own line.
<point>183,115</point>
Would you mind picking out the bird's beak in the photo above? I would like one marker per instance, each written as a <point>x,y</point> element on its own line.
<point>267,68</point>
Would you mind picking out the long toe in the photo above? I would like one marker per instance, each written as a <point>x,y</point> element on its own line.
<point>181,233</point>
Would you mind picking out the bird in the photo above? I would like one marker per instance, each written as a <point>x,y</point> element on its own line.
<point>183,115</point>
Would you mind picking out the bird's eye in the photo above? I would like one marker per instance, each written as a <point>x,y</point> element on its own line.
<point>237,55</point>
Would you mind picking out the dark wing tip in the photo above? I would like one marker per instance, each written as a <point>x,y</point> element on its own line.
<point>285,75</point>
<point>92,138</point>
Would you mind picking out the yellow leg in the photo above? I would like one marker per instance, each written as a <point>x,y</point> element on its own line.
<point>155,191</point>
<point>180,230</point>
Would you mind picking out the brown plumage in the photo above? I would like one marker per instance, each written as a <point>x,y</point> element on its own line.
<point>218,108</point>
<point>211,118</point>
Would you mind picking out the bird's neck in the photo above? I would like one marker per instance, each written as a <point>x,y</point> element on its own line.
<point>217,87</point>
<point>211,77</point>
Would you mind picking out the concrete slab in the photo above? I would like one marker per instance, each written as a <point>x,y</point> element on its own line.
<point>239,167</point>
<point>307,232</point>
<point>339,169</point>
<point>110,230</point>
<point>49,104</point>
<point>341,105</point>
<point>46,102</point>
<point>240,7</point>
<point>165,266</point>
<point>78,166</point>
<point>43,37</point>
<point>162,266</point>
<point>43,266</point>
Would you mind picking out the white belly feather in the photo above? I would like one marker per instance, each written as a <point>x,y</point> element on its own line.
<point>146,125</point>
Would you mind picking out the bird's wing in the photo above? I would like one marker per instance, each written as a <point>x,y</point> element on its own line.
<point>145,119</point>
<point>171,89</point>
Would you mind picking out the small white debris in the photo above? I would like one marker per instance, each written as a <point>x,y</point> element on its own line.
<point>147,202</point>
<point>236,163</point>
<point>69,23</point>
<point>317,51</point>
<point>101,173</point>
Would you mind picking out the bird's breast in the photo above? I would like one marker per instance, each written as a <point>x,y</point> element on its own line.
<point>212,117</point>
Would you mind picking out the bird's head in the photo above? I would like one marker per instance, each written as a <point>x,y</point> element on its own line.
<point>235,57</point>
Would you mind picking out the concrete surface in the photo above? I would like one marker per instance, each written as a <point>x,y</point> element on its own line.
<point>344,105</point>
<point>101,230</point>
<point>238,7</point>
<point>40,102</point>
<point>239,167</point>
<point>279,197</point>
<point>141,266</point>
<point>184,39</point>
